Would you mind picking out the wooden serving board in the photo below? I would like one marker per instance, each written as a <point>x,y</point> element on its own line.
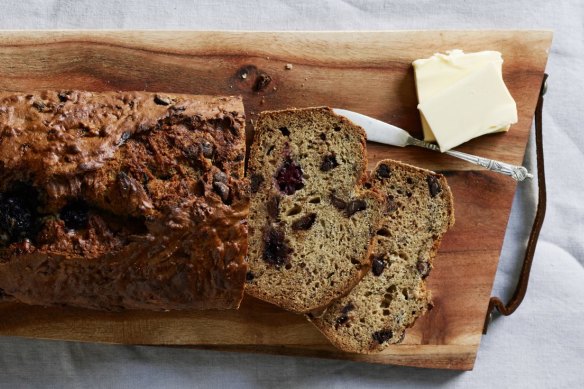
<point>368,72</point>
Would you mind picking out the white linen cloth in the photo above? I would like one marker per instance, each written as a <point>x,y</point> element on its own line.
<point>541,345</point>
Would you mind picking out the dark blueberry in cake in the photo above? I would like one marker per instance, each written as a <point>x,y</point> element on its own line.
<point>433,185</point>
<point>222,190</point>
<point>289,177</point>
<point>382,336</point>
<point>341,320</point>
<point>383,171</point>
<point>329,162</point>
<point>337,202</point>
<point>40,106</point>
<point>377,265</point>
<point>63,96</point>
<point>249,276</point>
<point>347,308</point>
<point>275,248</point>
<point>16,219</point>
<point>305,222</point>
<point>355,206</point>
<point>344,317</point>
<point>75,215</point>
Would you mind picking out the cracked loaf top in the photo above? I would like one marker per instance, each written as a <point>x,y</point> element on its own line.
<point>122,200</point>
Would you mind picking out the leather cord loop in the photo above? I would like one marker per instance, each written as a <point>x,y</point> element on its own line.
<point>521,288</point>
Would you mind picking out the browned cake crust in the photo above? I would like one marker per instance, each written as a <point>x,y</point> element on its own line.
<point>389,299</point>
<point>122,200</point>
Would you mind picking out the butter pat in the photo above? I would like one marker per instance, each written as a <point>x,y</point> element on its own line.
<point>440,71</point>
<point>476,105</point>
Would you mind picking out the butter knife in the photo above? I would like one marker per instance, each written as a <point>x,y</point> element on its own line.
<point>381,132</point>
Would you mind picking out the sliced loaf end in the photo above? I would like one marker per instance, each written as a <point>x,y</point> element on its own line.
<point>393,294</point>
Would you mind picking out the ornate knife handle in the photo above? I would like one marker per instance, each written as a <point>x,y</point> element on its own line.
<point>518,173</point>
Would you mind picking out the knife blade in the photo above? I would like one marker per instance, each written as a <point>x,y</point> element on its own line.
<point>381,132</point>
<point>377,131</point>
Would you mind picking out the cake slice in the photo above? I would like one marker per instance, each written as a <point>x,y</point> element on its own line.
<point>393,294</point>
<point>311,220</point>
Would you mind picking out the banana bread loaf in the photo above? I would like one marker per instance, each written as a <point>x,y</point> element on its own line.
<point>127,200</point>
<point>393,294</point>
<point>311,221</point>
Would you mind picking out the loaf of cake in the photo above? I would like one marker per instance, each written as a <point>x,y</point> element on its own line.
<point>126,200</point>
<point>311,220</point>
<point>393,294</point>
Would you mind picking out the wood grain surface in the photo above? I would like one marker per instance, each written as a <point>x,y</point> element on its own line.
<point>368,72</point>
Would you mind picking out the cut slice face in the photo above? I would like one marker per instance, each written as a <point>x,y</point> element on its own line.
<point>393,294</point>
<point>311,220</point>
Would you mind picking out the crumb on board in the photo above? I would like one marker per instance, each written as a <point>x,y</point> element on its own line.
<point>288,66</point>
